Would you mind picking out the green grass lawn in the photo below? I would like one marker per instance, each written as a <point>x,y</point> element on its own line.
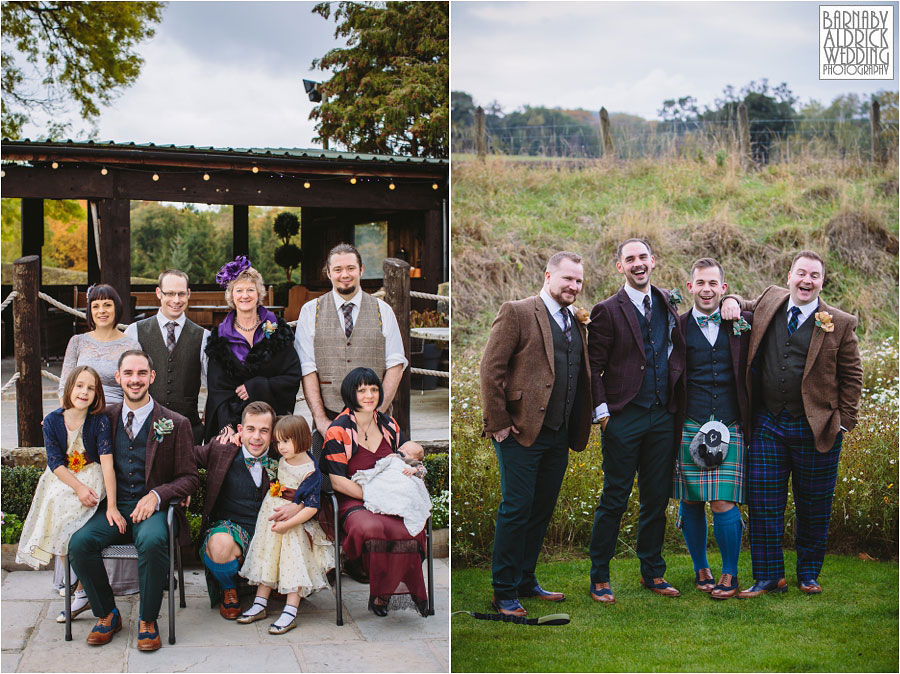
<point>851,627</point>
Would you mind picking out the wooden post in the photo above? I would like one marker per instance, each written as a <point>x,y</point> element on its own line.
<point>240,233</point>
<point>480,133</point>
<point>93,268</point>
<point>115,250</point>
<point>744,136</point>
<point>396,285</point>
<point>26,336</point>
<point>878,154</point>
<point>608,149</point>
<point>33,229</point>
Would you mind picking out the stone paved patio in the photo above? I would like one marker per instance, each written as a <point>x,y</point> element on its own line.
<point>32,641</point>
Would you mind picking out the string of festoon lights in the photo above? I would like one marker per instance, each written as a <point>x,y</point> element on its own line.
<point>308,182</point>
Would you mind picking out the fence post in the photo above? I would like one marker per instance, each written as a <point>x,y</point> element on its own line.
<point>878,154</point>
<point>606,139</point>
<point>480,133</point>
<point>396,286</point>
<point>744,136</point>
<point>27,339</point>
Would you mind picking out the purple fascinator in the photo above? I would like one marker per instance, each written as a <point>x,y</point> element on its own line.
<point>231,270</point>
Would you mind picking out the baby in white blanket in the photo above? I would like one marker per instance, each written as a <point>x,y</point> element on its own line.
<point>392,487</point>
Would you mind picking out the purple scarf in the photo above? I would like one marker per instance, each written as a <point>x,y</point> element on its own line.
<point>239,346</point>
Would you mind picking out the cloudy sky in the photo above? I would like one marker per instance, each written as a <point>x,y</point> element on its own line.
<point>630,56</point>
<point>225,74</point>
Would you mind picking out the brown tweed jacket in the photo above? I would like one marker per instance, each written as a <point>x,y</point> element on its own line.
<point>739,347</point>
<point>217,457</point>
<point>169,467</point>
<point>517,375</point>
<point>832,378</point>
<point>617,351</point>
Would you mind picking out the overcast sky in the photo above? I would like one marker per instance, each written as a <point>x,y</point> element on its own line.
<point>226,74</point>
<point>631,56</point>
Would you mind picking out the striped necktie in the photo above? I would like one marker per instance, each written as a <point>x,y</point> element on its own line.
<point>794,322</point>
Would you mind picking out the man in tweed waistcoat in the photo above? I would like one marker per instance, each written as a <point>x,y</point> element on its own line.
<point>177,346</point>
<point>712,390</point>
<point>637,356</point>
<point>343,330</point>
<point>806,384</point>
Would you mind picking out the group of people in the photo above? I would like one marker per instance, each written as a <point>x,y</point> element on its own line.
<point>128,440</point>
<point>720,404</point>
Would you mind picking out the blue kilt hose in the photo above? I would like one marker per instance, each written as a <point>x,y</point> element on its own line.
<point>783,446</point>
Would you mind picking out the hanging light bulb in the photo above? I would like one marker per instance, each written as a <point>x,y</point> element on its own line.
<point>103,171</point>
<point>255,169</point>
<point>434,186</point>
<point>206,176</point>
<point>155,177</point>
<point>306,184</point>
<point>392,186</point>
<point>352,181</point>
<point>54,165</point>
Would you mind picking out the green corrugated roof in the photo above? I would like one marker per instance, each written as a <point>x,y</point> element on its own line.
<point>296,153</point>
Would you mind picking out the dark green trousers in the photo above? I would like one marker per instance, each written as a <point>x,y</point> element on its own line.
<point>151,539</point>
<point>642,441</point>
<point>530,478</point>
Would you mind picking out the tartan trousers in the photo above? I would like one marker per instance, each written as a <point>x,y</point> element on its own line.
<point>783,446</point>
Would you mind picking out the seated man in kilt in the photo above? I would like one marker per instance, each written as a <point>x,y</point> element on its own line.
<point>714,416</point>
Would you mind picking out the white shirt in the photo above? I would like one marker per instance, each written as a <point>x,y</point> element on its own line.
<point>556,310</point>
<point>806,310</point>
<point>256,470</point>
<point>140,416</point>
<point>304,339</point>
<point>131,331</point>
<point>711,331</point>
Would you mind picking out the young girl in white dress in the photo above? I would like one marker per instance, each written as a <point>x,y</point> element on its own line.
<point>292,556</point>
<point>79,474</point>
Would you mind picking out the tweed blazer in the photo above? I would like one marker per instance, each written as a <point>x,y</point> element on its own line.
<point>517,374</point>
<point>617,351</point>
<point>740,348</point>
<point>169,464</point>
<point>832,378</point>
<point>217,457</point>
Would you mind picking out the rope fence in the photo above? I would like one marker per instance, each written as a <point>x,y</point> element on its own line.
<point>12,380</point>
<point>427,296</point>
<point>430,373</point>
<point>9,298</point>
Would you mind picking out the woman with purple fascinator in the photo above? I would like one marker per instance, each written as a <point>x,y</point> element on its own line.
<point>251,353</point>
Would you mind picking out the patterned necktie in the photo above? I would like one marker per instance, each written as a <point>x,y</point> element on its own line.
<point>716,318</point>
<point>170,338</point>
<point>794,322</point>
<point>648,309</point>
<point>128,425</point>
<point>348,318</point>
<point>261,460</point>
<point>567,324</point>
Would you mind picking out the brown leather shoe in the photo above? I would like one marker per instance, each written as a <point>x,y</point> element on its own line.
<point>230,608</point>
<point>602,592</point>
<point>103,631</point>
<point>703,579</point>
<point>761,587</point>
<point>810,587</point>
<point>726,588</point>
<point>148,636</point>
<point>660,587</point>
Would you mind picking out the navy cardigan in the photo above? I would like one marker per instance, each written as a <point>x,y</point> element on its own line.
<point>96,437</point>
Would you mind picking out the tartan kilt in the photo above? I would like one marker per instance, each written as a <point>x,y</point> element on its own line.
<point>724,483</point>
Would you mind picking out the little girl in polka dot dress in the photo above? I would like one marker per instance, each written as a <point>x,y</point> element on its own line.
<point>292,556</point>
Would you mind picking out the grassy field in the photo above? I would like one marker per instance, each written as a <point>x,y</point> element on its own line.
<point>851,627</point>
<point>508,218</point>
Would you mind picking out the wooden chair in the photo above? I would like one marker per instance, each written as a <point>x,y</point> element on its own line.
<point>130,552</point>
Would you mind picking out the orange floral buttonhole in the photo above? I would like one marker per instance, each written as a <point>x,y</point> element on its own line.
<point>823,320</point>
<point>276,488</point>
<point>76,461</point>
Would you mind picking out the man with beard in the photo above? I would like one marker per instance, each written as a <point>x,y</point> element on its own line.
<point>154,464</point>
<point>808,380</point>
<point>713,419</point>
<point>342,330</point>
<point>636,358</point>
<point>536,402</point>
<point>177,345</point>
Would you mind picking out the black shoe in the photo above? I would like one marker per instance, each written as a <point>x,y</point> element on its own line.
<point>381,610</point>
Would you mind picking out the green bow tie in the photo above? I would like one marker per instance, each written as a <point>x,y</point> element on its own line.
<point>261,460</point>
<point>716,318</point>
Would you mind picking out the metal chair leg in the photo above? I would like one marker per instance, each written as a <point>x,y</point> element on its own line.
<point>68,608</point>
<point>180,576</point>
<point>337,565</point>
<point>430,570</point>
<point>171,525</point>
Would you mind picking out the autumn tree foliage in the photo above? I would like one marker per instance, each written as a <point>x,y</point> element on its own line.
<point>389,88</point>
<point>56,53</point>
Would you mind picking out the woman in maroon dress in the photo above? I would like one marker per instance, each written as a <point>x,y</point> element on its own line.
<point>356,439</point>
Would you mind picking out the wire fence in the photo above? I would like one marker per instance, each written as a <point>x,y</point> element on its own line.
<point>771,140</point>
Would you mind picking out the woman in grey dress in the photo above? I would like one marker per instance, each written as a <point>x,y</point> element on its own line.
<point>100,348</point>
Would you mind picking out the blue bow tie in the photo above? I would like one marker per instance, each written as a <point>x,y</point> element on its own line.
<point>716,318</point>
<point>261,460</point>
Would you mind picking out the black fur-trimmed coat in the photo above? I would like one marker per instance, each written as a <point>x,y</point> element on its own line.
<point>271,372</point>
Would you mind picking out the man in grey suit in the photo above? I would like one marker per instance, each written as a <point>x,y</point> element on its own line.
<point>536,402</point>
<point>176,344</point>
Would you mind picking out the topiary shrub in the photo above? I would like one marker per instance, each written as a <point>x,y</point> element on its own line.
<point>437,478</point>
<point>18,484</point>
